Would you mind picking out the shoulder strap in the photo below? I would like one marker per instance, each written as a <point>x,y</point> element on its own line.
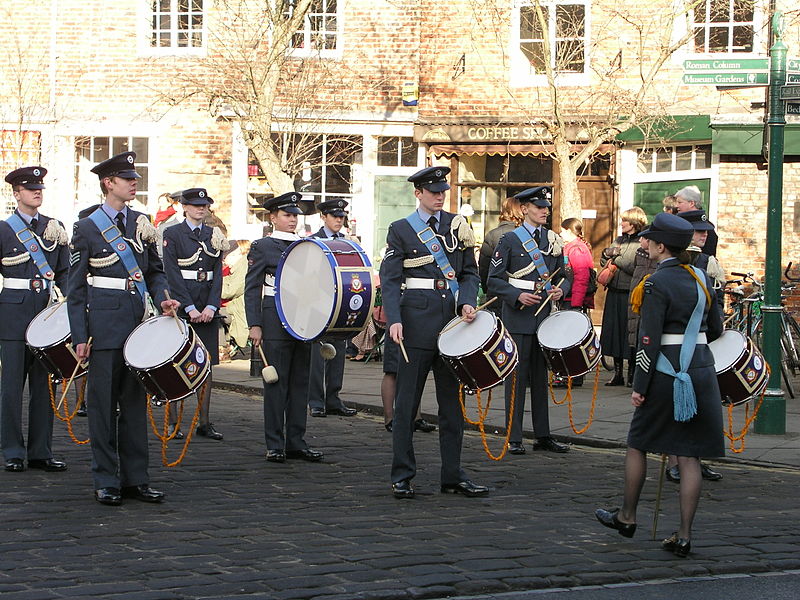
<point>532,248</point>
<point>32,244</point>
<point>428,237</point>
<point>114,239</point>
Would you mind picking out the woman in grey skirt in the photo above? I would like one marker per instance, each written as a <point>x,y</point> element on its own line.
<point>675,389</point>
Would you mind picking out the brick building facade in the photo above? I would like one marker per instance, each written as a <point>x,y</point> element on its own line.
<point>82,80</point>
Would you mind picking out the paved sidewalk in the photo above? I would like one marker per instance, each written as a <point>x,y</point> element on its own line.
<point>609,428</point>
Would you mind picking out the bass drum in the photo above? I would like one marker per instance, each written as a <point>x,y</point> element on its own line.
<point>569,343</point>
<point>740,366</point>
<point>481,353</point>
<point>168,358</point>
<point>49,338</point>
<point>323,289</point>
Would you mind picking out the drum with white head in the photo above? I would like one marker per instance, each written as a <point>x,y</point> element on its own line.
<point>168,357</point>
<point>569,343</point>
<point>481,353</point>
<point>50,340</point>
<point>740,366</point>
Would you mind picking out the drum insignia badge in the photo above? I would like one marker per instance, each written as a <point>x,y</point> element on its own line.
<point>750,375</point>
<point>191,369</point>
<point>356,285</point>
<point>501,358</point>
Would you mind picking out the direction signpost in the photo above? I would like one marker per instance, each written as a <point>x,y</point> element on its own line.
<point>793,108</point>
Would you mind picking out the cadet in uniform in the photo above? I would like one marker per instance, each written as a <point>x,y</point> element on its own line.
<point>325,377</point>
<point>192,254</point>
<point>34,255</point>
<point>675,388</point>
<point>431,253</point>
<point>523,256</point>
<point>116,246</point>
<point>285,400</point>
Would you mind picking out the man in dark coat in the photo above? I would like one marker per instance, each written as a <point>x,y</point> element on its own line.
<point>34,255</point>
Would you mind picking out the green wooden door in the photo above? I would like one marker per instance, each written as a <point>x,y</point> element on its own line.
<point>650,196</point>
<point>394,199</point>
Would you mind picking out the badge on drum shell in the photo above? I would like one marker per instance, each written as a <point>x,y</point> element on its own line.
<point>356,285</point>
<point>352,316</point>
<point>356,302</point>
<point>750,375</point>
<point>757,363</point>
<point>592,351</point>
<point>199,355</point>
<point>191,369</point>
<point>508,345</point>
<point>501,358</point>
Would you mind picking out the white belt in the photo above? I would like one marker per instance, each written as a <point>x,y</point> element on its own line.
<point>268,290</point>
<point>421,283</point>
<point>14,283</point>
<point>676,339</point>
<point>198,275</point>
<point>522,284</point>
<point>109,283</point>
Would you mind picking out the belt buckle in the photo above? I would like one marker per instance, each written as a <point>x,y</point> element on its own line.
<point>201,275</point>
<point>130,284</point>
<point>37,285</point>
<point>441,284</point>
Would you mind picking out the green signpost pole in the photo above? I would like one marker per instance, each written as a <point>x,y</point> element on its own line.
<point>771,418</point>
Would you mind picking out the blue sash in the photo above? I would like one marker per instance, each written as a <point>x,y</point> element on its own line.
<point>111,234</point>
<point>532,248</point>
<point>683,396</point>
<point>28,239</point>
<point>428,237</point>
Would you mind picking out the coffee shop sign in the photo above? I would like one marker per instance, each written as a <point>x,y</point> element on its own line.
<point>480,133</point>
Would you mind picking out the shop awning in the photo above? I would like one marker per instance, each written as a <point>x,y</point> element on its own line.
<point>532,149</point>
<point>677,128</point>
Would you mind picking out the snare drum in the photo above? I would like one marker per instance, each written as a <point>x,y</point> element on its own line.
<point>569,343</point>
<point>481,354</point>
<point>168,358</point>
<point>323,288</point>
<point>50,340</point>
<point>740,366</point>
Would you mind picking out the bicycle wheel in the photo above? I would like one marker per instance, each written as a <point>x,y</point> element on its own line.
<point>788,349</point>
<point>793,337</point>
<point>787,378</point>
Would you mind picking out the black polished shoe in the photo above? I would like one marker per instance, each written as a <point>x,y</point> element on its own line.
<point>306,454</point>
<point>609,519</point>
<point>516,448</point>
<point>679,546</point>
<point>403,489</point>
<point>178,435</point>
<point>277,456</point>
<point>142,492</point>
<point>466,487</point>
<point>388,426</point>
<point>109,496</point>
<point>47,464</point>
<point>618,379</point>
<point>550,445</point>
<point>81,411</point>
<point>673,474</point>
<point>318,412</point>
<point>345,411</point>
<point>15,465</point>
<point>423,426</point>
<point>208,431</point>
<point>708,474</point>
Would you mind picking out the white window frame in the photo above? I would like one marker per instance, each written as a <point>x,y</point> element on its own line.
<point>684,22</point>
<point>673,152</point>
<point>146,30</point>
<point>522,73</point>
<point>308,49</point>
<point>88,180</point>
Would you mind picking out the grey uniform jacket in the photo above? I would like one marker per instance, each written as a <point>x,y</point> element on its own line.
<point>180,243</point>
<point>422,312</point>
<point>109,315</point>
<point>19,307</point>
<point>510,257</point>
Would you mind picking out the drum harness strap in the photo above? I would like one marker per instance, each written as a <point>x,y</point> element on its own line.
<point>426,235</point>
<point>111,234</point>
<point>34,246</point>
<point>532,248</point>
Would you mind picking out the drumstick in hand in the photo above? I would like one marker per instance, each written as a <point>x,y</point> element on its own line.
<point>72,377</point>
<point>174,314</point>
<point>549,297</point>
<point>541,283</point>
<point>268,373</point>
<point>403,350</point>
<point>461,320</point>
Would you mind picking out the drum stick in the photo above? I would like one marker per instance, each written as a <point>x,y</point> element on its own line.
<point>174,314</point>
<point>72,377</point>
<point>403,350</point>
<point>658,494</point>
<point>546,300</point>
<point>53,311</point>
<point>461,320</point>
<point>541,284</point>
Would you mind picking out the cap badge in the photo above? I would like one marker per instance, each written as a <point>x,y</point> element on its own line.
<point>36,172</point>
<point>703,217</point>
<point>130,159</point>
<point>201,194</point>
<point>438,172</point>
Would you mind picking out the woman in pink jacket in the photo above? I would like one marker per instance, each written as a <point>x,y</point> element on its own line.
<point>578,254</point>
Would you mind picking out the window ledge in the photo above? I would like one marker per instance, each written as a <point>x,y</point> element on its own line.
<point>564,80</point>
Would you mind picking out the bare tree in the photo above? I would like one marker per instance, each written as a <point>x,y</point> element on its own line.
<point>628,50</point>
